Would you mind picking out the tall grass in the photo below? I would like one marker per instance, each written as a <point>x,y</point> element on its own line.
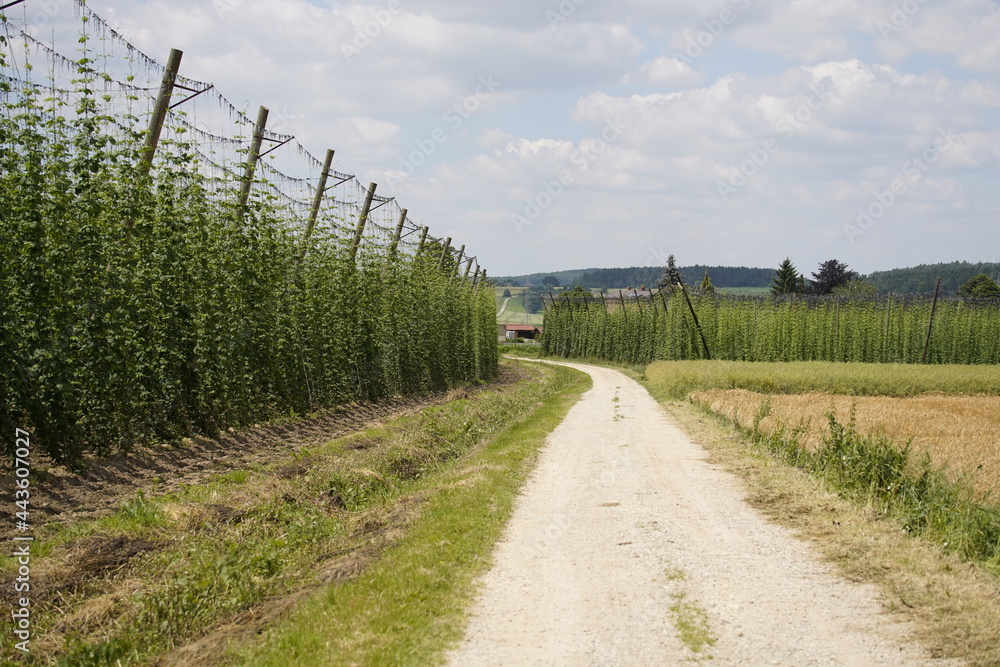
<point>893,481</point>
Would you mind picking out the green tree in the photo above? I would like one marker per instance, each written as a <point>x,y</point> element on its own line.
<point>506,294</point>
<point>981,286</point>
<point>831,274</point>
<point>551,281</point>
<point>855,287</point>
<point>787,279</point>
<point>706,286</point>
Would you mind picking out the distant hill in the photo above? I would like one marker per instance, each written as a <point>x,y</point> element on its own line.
<point>637,276</point>
<point>922,278</point>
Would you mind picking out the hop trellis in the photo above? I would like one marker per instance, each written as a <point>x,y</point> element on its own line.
<point>45,52</point>
<point>148,306</point>
<point>888,328</point>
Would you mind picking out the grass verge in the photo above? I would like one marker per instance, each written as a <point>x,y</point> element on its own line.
<point>885,477</point>
<point>198,575</point>
<point>410,606</point>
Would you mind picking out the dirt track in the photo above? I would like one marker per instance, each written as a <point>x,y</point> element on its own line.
<point>624,519</point>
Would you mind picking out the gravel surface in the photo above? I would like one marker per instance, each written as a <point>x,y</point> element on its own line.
<point>622,518</point>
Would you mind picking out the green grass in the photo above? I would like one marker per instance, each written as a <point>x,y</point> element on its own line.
<point>432,488</point>
<point>743,290</point>
<point>411,605</point>
<point>676,379</point>
<point>889,478</point>
<point>692,626</point>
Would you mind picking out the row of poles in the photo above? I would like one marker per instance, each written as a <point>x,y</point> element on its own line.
<point>158,119</point>
<point>701,333</point>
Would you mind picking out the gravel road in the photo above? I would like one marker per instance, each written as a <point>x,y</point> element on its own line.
<point>622,522</point>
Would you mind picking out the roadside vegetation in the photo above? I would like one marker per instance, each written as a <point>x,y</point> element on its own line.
<point>359,550</point>
<point>858,491</point>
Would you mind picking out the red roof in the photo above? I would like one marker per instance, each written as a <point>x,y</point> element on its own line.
<point>521,327</point>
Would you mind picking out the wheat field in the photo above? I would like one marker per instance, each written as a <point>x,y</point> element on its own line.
<point>959,432</point>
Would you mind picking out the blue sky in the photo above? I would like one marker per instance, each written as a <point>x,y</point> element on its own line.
<point>727,157</point>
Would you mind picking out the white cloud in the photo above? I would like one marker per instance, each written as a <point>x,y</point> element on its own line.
<point>847,100</point>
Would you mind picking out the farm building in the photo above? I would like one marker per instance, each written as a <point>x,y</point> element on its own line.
<point>512,331</point>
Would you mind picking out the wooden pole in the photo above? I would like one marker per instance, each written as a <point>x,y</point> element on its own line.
<point>399,232</point>
<point>458,260</point>
<point>423,239</point>
<point>362,219</point>
<point>468,268</point>
<point>317,199</point>
<point>444,253</point>
<point>475,278</point>
<point>160,111</point>
<point>697,325</point>
<point>252,157</point>
<point>663,298</point>
<point>930,324</point>
<point>624,309</point>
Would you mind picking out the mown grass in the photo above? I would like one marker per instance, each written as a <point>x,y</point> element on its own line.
<point>187,576</point>
<point>411,605</point>
<point>676,379</point>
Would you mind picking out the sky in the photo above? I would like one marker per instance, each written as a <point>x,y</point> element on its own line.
<point>584,133</point>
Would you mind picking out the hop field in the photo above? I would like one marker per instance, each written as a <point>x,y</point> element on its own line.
<point>884,329</point>
<point>146,298</point>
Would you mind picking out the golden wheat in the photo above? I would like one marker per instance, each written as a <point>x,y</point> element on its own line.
<point>960,432</point>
